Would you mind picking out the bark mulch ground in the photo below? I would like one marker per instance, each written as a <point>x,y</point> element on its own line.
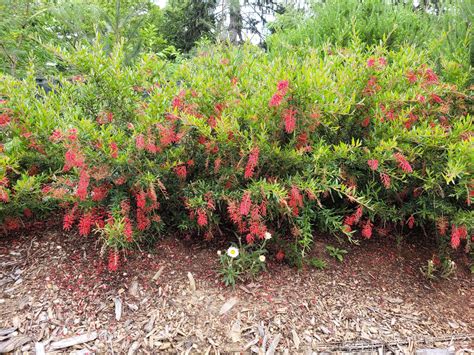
<point>57,296</point>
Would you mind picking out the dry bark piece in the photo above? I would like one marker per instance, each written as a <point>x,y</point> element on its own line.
<point>158,273</point>
<point>226,307</point>
<point>133,290</point>
<point>296,339</point>
<point>133,348</point>
<point>39,348</point>
<point>13,343</point>
<point>6,331</point>
<point>80,339</point>
<point>192,283</point>
<point>273,345</point>
<point>118,308</point>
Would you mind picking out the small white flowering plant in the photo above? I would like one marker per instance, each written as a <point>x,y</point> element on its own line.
<point>241,262</point>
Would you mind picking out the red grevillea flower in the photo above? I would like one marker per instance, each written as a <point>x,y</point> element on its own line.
<point>296,200</point>
<point>128,230</point>
<point>140,142</point>
<point>358,214</point>
<point>282,86</point>
<point>349,220</point>
<point>430,76</point>
<point>143,222</point>
<point>280,255</point>
<point>85,224</point>
<point>382,61</point>
<point>276,100</point>
<point>436,98</point>
<point>370,62</point>
<point>69,219</point>
<point>403,163</point>
<point>217,165</point>
<point>455,237</point>
<point>365,123</point>
<point>289,117</point>
<point>201,217</point>
<point>4,119</point>
<point>181,171</point>
<point>252,163</point>
<point>245,204</point>
<point>27,213</point>
<point>141,199</point>
<point>411,222</point>
<point>73,159</point>
<point>11,223</point>
<point>99,192</point>
<point>114,260</point>
<point>367,229</point>
<point>373,164</point>
<point>386,181</point>
<point>4,195</point>
<point>411,76</point>
<point>113,150</point>
<point>56,136</point>
<point>84,179</point>
<point>442,225</point>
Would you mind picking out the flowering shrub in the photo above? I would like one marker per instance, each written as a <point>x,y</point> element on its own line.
<point>354,144</point>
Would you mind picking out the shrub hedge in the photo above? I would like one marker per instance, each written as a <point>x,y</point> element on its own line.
<point>234,142</point>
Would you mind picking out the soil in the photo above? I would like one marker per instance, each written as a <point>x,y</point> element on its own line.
<point>55,285</point>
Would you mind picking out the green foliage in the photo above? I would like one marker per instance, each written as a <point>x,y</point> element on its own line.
<point>356,142</point>
<point>446,35</point>
<point>336,252</point>
<point>317,263</point>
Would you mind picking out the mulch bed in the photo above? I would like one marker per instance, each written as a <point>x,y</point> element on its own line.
<point>55,285</point>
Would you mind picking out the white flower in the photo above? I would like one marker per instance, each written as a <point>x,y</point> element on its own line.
<point>219,253</point>
<point>233,252</point>
<point>268,236</point>
<point>262,258</point>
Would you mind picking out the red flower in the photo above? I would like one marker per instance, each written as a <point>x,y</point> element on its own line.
<point>367,229</point>
<point>370,62</point>
<point>113,150</point>
<point>276,100</point>
<point>442,225</point>
<point>289,117</point>
<point>27,212</point>
<point>280,255</point>
<point>128,230</point>
<point>373,164</point>
<point>430,76</point>
<point>69,219</point>
<point>436,98</point>
<point>411,76</point>
<point>455,237</point>
<point>403,163</point>
<point>99,192</point>
<point>411,222</point>
<point>358,214</point>
<point>282,86</point>
<point>252,163</point>
<point>73,159</point>
<point>85,224</point>
<point>84,179</point>
<point>114,259</point>
<point>296,200</point>
<point>4,120</point>
<point>140,142</point>
<point>386,181</point>
<point>143,222</point>
<point>181,171</point>
<point>365,122</point>
<point>141,199</point>
<point>245,204</point>
<point>202,217</point>
<point>4,195</point>
<point>217,165</point>
<point>56,136</point>
<point>382,61</point>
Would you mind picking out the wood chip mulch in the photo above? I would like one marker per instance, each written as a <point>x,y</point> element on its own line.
<point>56,295</point>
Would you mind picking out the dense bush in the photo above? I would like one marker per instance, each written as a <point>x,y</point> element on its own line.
<point>236,143</point>
<point>446,33</point>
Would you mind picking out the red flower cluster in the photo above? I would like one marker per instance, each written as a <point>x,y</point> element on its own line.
<point>245,204</point>
<point>114,259</point>
<point>4,119</point>
<point>373,164</point>
<point>386,181</point>
<point>295,200</point>
<point>282,90</point>
<point>457,233</point>
<point>252,163</point>
<point>289,116</point>
<point>83,184</point>
<point>402,162</point>
<point>367,229</point>
<point>411,222</point>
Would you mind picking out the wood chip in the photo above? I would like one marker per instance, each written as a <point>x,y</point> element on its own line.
<point>80,339</point>
<point>6,331</point>
<point>192,283</point>
<point>226,307</point>
<point>158,273</point>
<point>118,308</point>
<point>133,348</point>
<point>273,345</point>
<point>296,339</point>
<point>13,343</point>
<point>39,348</point>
